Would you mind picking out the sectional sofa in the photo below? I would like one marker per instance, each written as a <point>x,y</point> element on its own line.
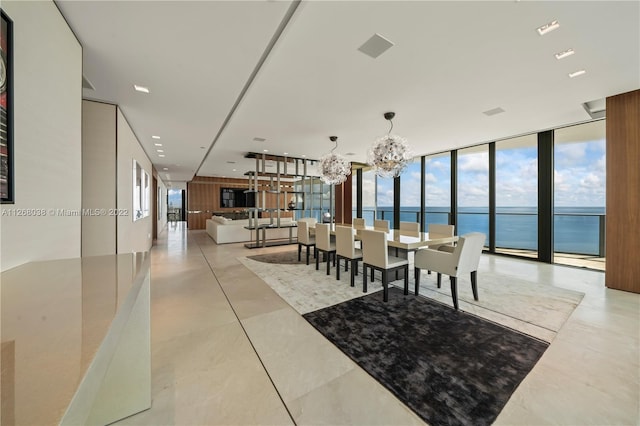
<point>224,230</point>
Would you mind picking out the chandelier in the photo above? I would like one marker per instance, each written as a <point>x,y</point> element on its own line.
<point>334,168</point>
<point>390,154</point>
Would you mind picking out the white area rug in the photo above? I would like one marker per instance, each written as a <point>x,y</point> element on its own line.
<point>534,309</point>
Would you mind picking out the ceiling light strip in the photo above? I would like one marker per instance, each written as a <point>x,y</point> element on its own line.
<point>267,51</point>
<point>547,28</point>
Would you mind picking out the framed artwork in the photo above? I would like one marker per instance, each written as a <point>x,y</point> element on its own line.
<point>6,110</point>
<point>141,192</point>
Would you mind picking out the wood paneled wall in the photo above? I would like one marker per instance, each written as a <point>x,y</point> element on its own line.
<point>203,195</point>
<point>344,201</point>
<point>623,192</point>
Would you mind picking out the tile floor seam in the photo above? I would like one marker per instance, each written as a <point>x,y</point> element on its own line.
<point>245,333</point>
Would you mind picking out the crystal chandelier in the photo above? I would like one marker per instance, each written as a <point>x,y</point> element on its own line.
<point>334,168</point>
<point>390,154</point>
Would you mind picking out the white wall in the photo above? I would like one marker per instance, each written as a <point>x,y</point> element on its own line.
<point>132,236</point>
<point>47,138</point>
<point>98,178</point>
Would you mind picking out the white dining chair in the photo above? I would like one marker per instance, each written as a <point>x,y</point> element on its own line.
<point>359,223</point>
<point>381,225</point>
<point>437,230</point>
<point>305,239</point>
<point>410,228</point>
<point>324,245</point>
<point>453,261</point>
<point>375,256</point>
<point>346,249</point>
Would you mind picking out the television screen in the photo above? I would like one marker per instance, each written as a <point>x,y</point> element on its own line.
<point>234,197</point>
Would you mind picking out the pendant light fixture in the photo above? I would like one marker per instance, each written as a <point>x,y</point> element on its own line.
<point>334,168</point>
<point>390,154</point>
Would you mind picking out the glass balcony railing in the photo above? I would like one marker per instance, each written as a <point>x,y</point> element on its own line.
<point>574,233</point>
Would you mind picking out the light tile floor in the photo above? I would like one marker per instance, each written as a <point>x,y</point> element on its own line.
<point>227,350</point>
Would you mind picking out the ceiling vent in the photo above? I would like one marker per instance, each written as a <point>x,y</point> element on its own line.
<point>493,111</point>
<point>259,139</point>
<point>375,46</point>
<point>596,109</point>
<point>86,84</point>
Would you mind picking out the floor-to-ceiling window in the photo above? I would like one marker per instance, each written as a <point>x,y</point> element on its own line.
<point>384,198</point>
<point>473,190</point>
<point>437,189</point>
<point>368,196</point>
<point>579,194</point>
<point>516,189</point>
<point>410,192</point>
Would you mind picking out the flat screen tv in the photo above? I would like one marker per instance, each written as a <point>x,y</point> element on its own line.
<point>234,197</point>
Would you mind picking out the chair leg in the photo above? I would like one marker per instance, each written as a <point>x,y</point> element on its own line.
<point>474,284</point>
<point>346,265</point>
<point>416,276</point>
<point>385,285</point>
<point>454,291</point>
<point>334,259</point>
<point>299,252</point>
<point>354,270</point>
<point>329,263</point>
<point>317,262</point>
<point>308,248</point>
<point>364,277</point>
<point>372,271</point>
<point>338,267</point>
<point>406,280</point>
<point>439,279</point>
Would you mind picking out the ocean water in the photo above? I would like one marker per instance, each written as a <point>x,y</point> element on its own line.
<point>576,229</point>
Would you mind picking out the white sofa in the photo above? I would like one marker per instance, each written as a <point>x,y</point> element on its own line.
<point>224,230</point>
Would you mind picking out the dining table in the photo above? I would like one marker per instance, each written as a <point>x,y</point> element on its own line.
<point>406,241</point>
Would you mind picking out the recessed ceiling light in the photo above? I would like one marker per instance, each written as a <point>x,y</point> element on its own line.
<point>165,168</point>
<point>303,155</point>
<point>160,155</point>
<point>562,55</point>
<point>375,46</point>
<point>155,137</point>
<point>141,88</point>
<point>493,111</point>
<point>234,170</point>
<point>160,150</point>
<point>265,150</point>
<point>157,144</point>
<point>547,28</point>
<point>577,73</point>
<point>286,153</point>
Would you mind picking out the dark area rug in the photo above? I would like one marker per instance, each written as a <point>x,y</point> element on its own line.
<point>450,367</point>
<point>285,257</point>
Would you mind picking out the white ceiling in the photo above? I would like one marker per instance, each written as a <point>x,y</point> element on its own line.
<point>451,61</point>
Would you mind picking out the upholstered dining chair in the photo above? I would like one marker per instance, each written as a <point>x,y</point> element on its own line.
<point>375,256</point>
<point>324,245</point>
<point>453,261</point>
<point>359,223</point>
<point>381,225</point>
<point>438,230</point>
<point>346,249</point>
<point>304,239</point>
<point>409,228</point>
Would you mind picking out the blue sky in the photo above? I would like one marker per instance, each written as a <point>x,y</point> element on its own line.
<point>579,178</point>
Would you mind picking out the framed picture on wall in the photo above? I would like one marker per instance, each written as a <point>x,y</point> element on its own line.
<point>6,109</point>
